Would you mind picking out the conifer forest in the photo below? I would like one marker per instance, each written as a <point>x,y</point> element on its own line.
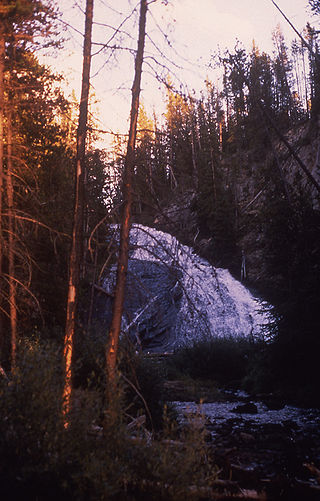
<point>159,279</point>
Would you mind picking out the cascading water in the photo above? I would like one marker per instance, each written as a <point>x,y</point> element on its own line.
<point>174,297</point>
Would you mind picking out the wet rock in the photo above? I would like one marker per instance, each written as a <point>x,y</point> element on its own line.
<point>290,425</point>
<point>246,475</point>
<point>273,403</point>
<point>207,436</point>
<point>247,437</point>
<point>274,452</point>
<point>272,428</point>
<point>248,408</point>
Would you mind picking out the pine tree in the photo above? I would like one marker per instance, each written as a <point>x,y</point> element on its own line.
<point>21,24</point>
<point>282,68</point>
<point>179,145</point>
<point>315,6</point>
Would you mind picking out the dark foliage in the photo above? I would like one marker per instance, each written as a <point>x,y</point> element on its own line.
<point>40,459</point>
<point>290,364</point>
<point>224,360</point>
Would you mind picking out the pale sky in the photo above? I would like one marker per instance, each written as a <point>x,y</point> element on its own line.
<point>195,29</point>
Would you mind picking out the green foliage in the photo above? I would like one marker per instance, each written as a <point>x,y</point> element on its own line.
<point>44,150</point>
<point>89,357</point>
<point>40,459</point>
<point>215,213</point>
<point>145,393</point>
<point>225,360</point>
<point>178,469</point>
<point>141,379</point>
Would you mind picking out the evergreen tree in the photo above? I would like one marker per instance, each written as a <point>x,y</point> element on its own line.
<point>21,23</point>
<point>179,147</point>
<point>282,67</point>
<point>144,171</point>
<point>314,65</point>
<point>315,6</point>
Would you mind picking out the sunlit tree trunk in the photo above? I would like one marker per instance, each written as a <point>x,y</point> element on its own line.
<point>11,233</point>
<point>2,56</point>
<point>112,346</point>
<point>77,230</point>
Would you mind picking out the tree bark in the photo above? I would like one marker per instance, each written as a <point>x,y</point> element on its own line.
<point>77,230</point>
<point>11,233</point>
<point>2,58</point>
<point>112,346</point>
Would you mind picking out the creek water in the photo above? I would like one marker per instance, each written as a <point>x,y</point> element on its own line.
<point>216,413</point>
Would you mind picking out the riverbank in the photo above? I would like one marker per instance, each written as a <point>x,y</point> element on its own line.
<point>273,452</point>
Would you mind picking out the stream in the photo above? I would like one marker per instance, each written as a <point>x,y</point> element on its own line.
<point>216,413</point>
<point>276,451</point>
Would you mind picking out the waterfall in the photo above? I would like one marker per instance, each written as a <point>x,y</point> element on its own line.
<point>174,297</point>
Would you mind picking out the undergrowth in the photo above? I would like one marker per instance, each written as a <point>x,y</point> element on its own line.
<point>224,360</point>
<point>94,458</point>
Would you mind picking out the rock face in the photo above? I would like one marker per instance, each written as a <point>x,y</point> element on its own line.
<point>152,303</point>
<point>174,297</point>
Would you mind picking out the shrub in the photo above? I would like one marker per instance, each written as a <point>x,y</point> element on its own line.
<point>40,459</point>
<point>89,357</point>
<point>144,380</point>
<point>225,360</point>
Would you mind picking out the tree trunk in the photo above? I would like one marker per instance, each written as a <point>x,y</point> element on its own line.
<point>305,81</point>
<point>2,56</point>
<point>112,346</point>
<point>76,245</point>
<point>11,233</point>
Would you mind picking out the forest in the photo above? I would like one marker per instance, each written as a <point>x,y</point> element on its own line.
<point>231,172</point>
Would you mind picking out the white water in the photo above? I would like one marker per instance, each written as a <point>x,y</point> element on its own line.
<point>211,302</point>
<point>218,412</point>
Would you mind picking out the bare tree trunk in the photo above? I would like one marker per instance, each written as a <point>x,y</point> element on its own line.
<point>304,42</point>
<point>112,346</point>
<point>11,233</point>
<point>94,276</point>
<point>220,137</point>
<point>213,171</point>
<point>76,246</point>
<point>305,80</point>
<point>2,56</point>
